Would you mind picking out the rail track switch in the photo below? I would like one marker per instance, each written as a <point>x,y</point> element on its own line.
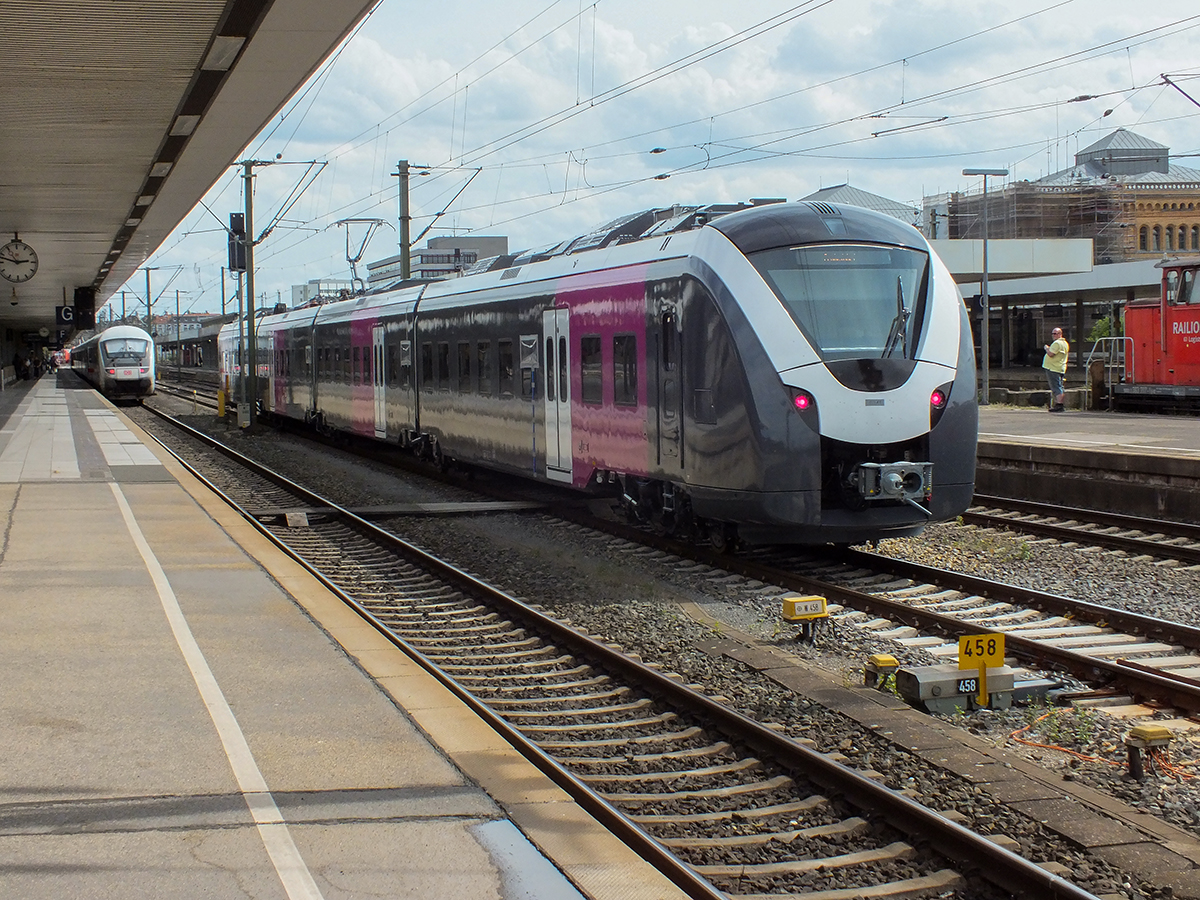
<point>947,689</point>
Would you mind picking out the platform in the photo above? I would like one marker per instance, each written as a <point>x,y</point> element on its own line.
<point>1145,434</point>
<point>1134,463</point>
<point>189,714</point>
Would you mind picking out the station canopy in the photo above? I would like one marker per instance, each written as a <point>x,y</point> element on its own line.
<point>118,117</point>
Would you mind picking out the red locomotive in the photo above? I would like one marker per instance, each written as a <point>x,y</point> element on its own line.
<point>1162,346</point>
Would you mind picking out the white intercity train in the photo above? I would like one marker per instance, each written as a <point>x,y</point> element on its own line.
<point>118,361</point>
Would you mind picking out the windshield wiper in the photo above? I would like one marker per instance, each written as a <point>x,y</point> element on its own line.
<point>898,333</point>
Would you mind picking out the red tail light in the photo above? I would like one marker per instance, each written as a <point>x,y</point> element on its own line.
<point>937,399</point>
<point>111,371</point>
<point>803,401</point>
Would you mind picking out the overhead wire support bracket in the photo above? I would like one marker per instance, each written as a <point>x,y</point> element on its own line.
<point>372,226</point>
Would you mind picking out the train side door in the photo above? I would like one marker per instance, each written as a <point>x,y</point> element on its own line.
<point>378,372</point>
<point>556,389</point>
<point>670,393</point>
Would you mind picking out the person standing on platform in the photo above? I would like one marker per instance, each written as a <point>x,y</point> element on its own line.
<point>1055,364</point>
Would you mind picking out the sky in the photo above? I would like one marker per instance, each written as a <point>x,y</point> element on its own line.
<point>542,119</point>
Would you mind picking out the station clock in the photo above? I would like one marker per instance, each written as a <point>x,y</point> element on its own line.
<point>18,261</point>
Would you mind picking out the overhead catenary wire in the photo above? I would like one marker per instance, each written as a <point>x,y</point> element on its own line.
<point>759,147</point>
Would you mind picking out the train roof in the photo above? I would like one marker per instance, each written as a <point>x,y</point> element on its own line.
<point>116,331</point>
<point>750,227</point>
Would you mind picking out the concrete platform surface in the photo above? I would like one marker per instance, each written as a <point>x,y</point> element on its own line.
<point>1137,433</point>
<point>188,713</point>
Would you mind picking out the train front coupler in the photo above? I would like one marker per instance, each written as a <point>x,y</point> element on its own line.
<point>907,482</point>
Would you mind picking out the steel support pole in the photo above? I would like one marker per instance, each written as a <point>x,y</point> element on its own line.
<point>405,222</point>
<point>252,372</point>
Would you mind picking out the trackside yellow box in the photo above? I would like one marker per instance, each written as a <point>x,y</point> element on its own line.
<point>797,609</point>
<point>1146,736</point>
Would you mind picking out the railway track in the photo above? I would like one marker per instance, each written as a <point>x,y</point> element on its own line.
<point>1143,658</point>
<point>1123,654</point>
<point>1113,531</point>
<point>1149,659</point>
<point>725,805</point>
<point>198,395</point>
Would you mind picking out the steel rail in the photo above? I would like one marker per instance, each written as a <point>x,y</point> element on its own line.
<point>998,865</point>
<point>682,875</point>
<point>1080,610</point>
<point>1142,685</point>
<point>1140,546</point>
<point>1152,526</point>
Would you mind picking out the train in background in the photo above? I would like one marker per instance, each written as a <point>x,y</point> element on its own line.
<point>785,373</point>
<point>119,362</point>
<point>1162,343</point>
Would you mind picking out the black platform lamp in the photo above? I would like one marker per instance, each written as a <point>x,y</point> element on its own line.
<point>986,323</point>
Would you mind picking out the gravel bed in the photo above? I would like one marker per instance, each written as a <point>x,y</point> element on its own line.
<point>606,588</point>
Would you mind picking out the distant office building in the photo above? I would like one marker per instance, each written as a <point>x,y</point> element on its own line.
<point>1123,192</point>
<point>441,257</point>
<point>320,289</point>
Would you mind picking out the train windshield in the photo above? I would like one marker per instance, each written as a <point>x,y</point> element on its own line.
<point>852,301</point>
<point>124,348</point>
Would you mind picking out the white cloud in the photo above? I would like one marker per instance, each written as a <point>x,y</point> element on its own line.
<point>561,121</point>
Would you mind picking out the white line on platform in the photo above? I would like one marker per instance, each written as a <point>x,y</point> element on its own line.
<point>289,865</point>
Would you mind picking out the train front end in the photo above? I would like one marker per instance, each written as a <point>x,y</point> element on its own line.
<point>866,331</point>
<point>127,364</point>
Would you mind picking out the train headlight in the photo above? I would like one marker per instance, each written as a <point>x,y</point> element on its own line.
<point>939,399</point>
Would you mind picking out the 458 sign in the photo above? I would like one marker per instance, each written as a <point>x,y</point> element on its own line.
<point>981,649</point>
<point>978,653</point>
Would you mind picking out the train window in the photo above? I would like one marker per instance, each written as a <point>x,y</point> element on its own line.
<point>487,371</point>
<point>1180,287</point>
<point>336,374</point>
<point>346,370</point>
<point>505,362</point>
<point>443,365</point>
<point>563,387</point>
<point>669,342</point>
<point>427,382</point>
<point>391,365</point>
<point>851,301</point>
<point>464,367</point>
<point>550,368</point>
<point>123,348</point>
<point>625,370</point>
<point>356,365</point>
<point>590,367</point>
